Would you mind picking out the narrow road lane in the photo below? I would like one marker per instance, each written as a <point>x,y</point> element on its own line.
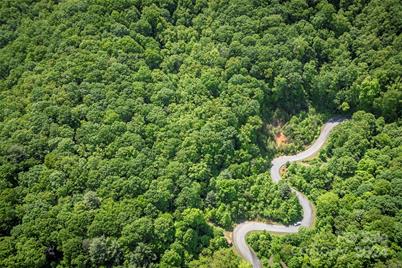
<point>241,230</point>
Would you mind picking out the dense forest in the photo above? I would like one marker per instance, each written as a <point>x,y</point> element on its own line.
<point>356,184</point>
<point>134,132</point>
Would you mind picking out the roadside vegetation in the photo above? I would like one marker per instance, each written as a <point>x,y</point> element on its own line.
<point>132,132</point>
<point>356,184</point>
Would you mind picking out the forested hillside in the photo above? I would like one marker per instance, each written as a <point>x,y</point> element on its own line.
<point>132,132</point>
<point>356,184</point>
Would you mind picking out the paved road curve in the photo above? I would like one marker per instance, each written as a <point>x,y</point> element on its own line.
<point>241,230</point>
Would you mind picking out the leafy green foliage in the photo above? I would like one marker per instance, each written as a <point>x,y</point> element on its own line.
<point>301,130</point>
<point>355,183</point>
<point>128,127</point>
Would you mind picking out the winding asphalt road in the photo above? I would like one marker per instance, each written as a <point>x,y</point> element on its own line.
<point>241,230</point>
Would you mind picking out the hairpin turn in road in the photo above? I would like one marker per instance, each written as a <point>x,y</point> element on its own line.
<point>242,229</point>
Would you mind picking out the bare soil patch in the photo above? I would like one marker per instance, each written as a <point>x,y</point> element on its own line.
<point>280,139</point>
